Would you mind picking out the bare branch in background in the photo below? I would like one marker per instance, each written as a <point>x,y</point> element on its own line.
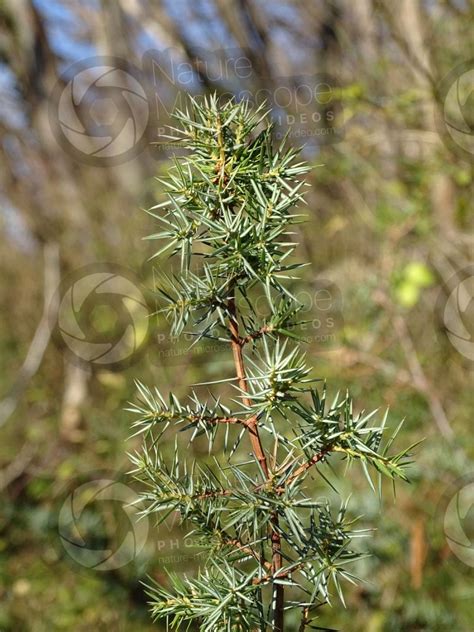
<point>75,393</point>
<point>418,375</point>
<point>16,467</point>
<point>42,334</point>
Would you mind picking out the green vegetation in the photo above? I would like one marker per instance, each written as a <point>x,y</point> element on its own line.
<point>389,240</point>
<point>273,543</point>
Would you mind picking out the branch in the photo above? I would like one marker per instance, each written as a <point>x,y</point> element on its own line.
<point>305,466</point>
<point>280,574</point>
<point>246,548</point>
<point>305,620</point>
<point>219,420</point>
<point>41,336</point>
<point>240,370</point>
<point>17,467</point>
<point>278,589</point>
<point>300,470</point>
<point>266,329</point>
<point>420,381</point>
<point>213,493</point>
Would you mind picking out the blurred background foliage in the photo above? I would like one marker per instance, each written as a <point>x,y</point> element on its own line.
<point>388,238</point>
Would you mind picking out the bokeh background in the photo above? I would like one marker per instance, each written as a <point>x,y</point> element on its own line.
<point>381,95</point>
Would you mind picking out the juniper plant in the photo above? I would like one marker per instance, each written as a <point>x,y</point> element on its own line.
<point>270,545</point>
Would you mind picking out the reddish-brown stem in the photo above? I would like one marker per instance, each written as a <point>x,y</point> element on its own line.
<point>266,329</point>
<point>257,447</point>
<point>281,488</point>
<point>245,548</point>
<point>219,420</point>
<point>300,470</point>
<point>304,619</point>
<point>307,464</point>
<point>280,575</point>
<point>240,370</point>
<point>278,589</point>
